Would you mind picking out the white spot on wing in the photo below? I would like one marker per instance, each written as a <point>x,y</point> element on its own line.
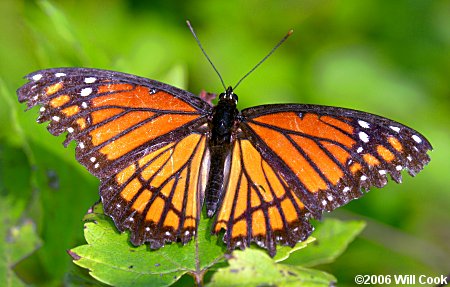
<point>359,150</point>
<point>324,202</point>
<point>96,165</point>
<point>398,167</point>
<point>364,137</point>
<point>42,109</point>
<point>86,92</point>
<point>81,145</point>
<point>382,172</point>
<point>93,159</point>
<point>37,77</point>
<point>84,105</point>
<point>147,229</point>
<point>363,177</point>
<point>409,158</point>
<point>396,129</point>
<point>346,189</point>
<point>330,197</point>
<point>70,129</point>
<point>364,124</point>
<point>58,75</point>
<point>90,80</point>
<point>56,118</point>
<point>416,139</point>
<point>167,233</point>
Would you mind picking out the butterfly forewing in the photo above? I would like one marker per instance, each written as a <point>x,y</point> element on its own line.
<point>142,138</point>
<point>327,155</point>
<point>114,117</point>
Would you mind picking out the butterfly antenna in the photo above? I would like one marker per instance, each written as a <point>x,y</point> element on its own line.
<point>265,58</point>
<point>204,53</point>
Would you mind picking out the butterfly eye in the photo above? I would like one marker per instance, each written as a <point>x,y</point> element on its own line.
<point>229,95</point>
<point>235,98</point>
<point>222,96</point>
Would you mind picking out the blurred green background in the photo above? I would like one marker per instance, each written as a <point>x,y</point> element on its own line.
<point>390,58</point>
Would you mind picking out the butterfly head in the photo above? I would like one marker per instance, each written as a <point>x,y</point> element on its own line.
<point>229,95</point>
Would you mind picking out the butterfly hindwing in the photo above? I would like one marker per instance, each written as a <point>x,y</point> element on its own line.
<point>159,197</point>
<point>258,206</point>
<point>327,155</point>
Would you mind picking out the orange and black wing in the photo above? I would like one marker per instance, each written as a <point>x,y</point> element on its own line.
<point>159,197</point>
<point>292,162</point>
<point>143,139</point>
<point>258,205</point>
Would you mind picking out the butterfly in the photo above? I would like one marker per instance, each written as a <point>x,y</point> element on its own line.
<point>162,154</point>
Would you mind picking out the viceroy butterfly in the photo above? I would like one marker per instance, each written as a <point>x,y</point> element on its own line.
<point>162,153</point>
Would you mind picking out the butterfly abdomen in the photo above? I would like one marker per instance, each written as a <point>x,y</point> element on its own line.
<point>223,120</point>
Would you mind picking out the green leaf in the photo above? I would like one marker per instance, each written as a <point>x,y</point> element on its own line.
<point>18,241</point>
<point>283,252</point>
<point>332,238</point>
<point>111,258</point>
<point>78,276</point>
<point>255,268</point>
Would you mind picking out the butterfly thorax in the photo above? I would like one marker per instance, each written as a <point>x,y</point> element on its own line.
<point>223,121</point>
<point>224,116</point>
